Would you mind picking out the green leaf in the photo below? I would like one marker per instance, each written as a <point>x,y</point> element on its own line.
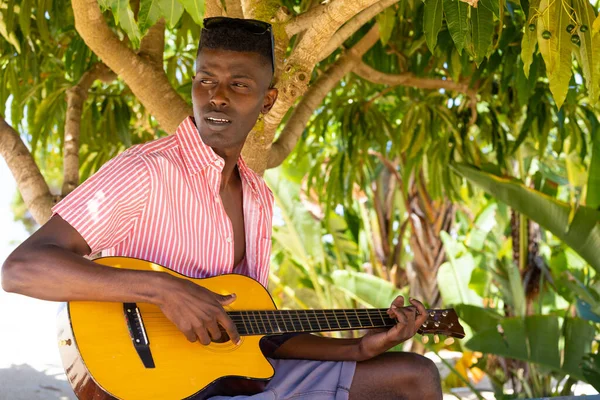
<point>529,39</point>
<point>556,51</point>
<point>596,26</point>
<point>482,23</point>
<point>593,185</point>
<point>491,5</point>
<point>149,14</point>
<point>454,276</point>
<point>25,17</point>
<point>582,233</point>
<point>588,52</point>
<point>40,20</point>
<point>124,17</point>
<point>9,35</point>
<point>432,21</point>
<point>369,290</point>
<point>456,18</point>
<point>536,339</point>
<point>517,291</point>
<point>484,223</point>
<point>172,10</point>
<point>386,21</point>
<point>195,8</point>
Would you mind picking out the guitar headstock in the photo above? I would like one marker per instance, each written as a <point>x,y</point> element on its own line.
<point>442,322</point>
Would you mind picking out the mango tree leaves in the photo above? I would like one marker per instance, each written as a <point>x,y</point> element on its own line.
<point>588,53</point>
<point>432,21</point>
<point>554,42</point>
<point>149,14</point>
<point>482,33</point>
<point>529,39</point>
<point>491,5</point>
<point>172,11</point>
<point>9,34</point>
<point>124,17</point>
<point>593,185</point>
<point>195,8</point>
<point>386,21</point>
<point>457,19</point>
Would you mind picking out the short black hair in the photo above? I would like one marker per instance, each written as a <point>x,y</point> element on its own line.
<point>236,38</point>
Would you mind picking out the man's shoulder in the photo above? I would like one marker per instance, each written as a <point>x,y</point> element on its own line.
<point>153,147</point>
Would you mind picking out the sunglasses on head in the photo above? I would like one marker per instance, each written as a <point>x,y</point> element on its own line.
<point>253,26</point>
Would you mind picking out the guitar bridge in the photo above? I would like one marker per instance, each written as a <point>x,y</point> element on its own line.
<point>138,334</point>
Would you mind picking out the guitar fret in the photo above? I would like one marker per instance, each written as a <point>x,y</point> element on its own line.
<point>358,318</point>
<point>318,327</point>
<point>268,316</point>
<point>299,318</point>
<point>265,330</point>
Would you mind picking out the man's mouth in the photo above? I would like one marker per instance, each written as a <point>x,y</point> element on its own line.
<point>217,121</point>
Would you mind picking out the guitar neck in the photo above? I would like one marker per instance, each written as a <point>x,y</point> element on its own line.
<point>297,321</point>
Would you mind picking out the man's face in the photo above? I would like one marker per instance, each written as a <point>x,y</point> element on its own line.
<point>230,90</point>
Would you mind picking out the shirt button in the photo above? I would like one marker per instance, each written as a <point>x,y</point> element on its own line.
<point>217,198</point>
<point>228,239</point>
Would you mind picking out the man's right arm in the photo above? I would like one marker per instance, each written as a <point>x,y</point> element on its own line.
<point>50,266</point>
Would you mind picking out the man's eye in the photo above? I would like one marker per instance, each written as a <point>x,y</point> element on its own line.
<point>206,81</point>
<point>241,85</point>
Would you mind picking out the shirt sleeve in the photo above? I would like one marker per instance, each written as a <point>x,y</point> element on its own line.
<point>105,207</point>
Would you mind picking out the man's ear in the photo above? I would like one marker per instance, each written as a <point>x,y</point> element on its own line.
<point>269,100</point>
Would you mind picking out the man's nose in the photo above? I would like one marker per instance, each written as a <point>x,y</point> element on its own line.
<point>219,96</point>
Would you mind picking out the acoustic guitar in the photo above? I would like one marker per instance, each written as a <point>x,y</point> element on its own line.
<point>132,351</point>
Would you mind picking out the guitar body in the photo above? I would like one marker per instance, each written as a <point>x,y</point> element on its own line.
<point>101,361</point>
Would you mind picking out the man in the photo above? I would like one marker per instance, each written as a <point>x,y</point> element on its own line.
<point>190,203</point>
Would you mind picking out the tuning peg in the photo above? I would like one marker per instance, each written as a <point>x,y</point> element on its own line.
<point>436,339</point>
<point>449,341</point>
<point>425,339</point>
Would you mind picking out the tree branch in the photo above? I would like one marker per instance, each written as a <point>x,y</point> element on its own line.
<point>30,182</point>
<point>409,79</point>
<point>132,68</point>
<point>328,19</point>
<point>234,8</point>
<point>76,97</point>
<point>314,96</point>
<point>213,8</point>
<point>301,22</point>
<point>352,26</point>
<point>153,44</point>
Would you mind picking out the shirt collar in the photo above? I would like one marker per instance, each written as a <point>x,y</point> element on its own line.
<point>196,154</point>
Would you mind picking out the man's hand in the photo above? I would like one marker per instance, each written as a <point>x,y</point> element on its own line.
<point>409,320</point>
<point>195,310</point>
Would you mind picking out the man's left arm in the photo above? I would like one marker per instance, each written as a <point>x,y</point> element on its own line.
<point>312,347</point>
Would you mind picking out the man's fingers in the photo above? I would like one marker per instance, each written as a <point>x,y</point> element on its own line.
<point>398,301</point>
<point>421,312</point>
<point>202,335</point>
<point>227,299</point>
<point>213,329</point>
<point>229,326</point>
<point>190,335</point>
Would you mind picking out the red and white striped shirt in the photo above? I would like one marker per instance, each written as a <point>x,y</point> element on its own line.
<point>159,201</point>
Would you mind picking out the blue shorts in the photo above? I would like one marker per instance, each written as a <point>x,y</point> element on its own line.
<point>305,379</point>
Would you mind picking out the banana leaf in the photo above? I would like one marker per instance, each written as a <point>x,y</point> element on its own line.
<point>577,227</point>
<point>537,339</point>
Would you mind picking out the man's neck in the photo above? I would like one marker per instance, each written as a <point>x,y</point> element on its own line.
<point>229,169</point>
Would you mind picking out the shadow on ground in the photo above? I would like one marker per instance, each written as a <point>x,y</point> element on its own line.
<point>23,382</point>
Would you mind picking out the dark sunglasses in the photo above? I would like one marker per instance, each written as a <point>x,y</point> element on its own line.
<point>253,26</point>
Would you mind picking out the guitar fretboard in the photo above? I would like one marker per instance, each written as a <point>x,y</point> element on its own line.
<point>290,321</point>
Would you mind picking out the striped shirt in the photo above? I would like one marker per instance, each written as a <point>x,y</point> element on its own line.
<point>159,201</point>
